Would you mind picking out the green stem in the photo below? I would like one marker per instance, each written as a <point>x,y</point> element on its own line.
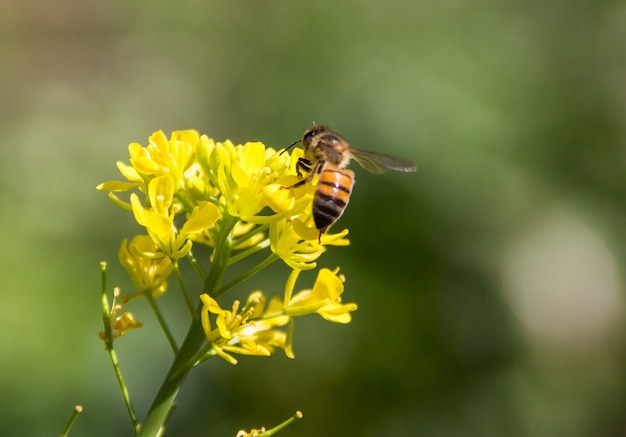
<point>223,247</point>
<point>203,354</point>
<point>161,319</point>
<point>254,231</point>
<point>156,418</point>
<point>104,306</point>
<point>154,423</point>
<point>123,388</point>
<point>183,288</point>
<point>77,410</point>
<point>250,251</point>
<point>282,426</point>
<point>196,266</point>
<point>108,342</point>
<point>253,271</point>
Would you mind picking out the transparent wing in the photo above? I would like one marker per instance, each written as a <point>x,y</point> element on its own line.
<point>379,162</point>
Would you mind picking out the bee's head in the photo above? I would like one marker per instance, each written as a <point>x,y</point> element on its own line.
<point>308,136</point>
<point>311,133</point>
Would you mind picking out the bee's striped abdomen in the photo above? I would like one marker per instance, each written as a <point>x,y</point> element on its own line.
<point>331,196</point>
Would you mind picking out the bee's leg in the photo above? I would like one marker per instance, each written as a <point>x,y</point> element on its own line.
<point>297,184</point>
<point>303,164</point>
<point>306,165</point>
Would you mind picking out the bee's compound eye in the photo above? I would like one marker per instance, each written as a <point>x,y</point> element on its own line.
<point>308,135</point>
<point>314,130</point>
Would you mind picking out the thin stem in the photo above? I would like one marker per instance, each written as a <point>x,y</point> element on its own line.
<point>196,266</point>
<point>162,323</point>
<point>270,316</point>
<point>245,237</point>
<point>203,354</point>
<point>223,247</point>
<point>283,425</point>
<point>108,342</point>
<point>183,288</point>
<point>253,271</point>
<point>77,410</point>
<point>250,251</point>
<point>104,306</point>
<point>122,384</point>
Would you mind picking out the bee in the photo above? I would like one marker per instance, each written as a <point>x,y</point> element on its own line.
<point>327,154</point>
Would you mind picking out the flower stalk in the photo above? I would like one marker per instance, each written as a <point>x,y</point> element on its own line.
<point>77,410</point>
<point>108,315</point>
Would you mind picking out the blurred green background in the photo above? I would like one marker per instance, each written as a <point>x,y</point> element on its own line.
<point>490,284</point>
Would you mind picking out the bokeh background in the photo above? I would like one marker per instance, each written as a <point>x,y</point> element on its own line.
<point>490,284</point>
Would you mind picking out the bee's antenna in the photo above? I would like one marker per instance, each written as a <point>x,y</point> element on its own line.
<point>290,146</point>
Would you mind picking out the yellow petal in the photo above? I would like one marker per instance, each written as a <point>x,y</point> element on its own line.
<point>240,175</point>
<point>289,342</point>
<point>252,156</point>
<point>190,136</point>
<point>128,171</point>
<point>201,218</point>
<point>146,165</point>
<point>278,197</point>
<point>161,186</point>
<point>327,286</point>
<point>305,232</point>
<point>338,313</point>
<point>117,186</point>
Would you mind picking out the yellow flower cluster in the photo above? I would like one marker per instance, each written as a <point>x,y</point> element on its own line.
<point>252,330</point>
<point>194,180</point>
<point>237,200</point>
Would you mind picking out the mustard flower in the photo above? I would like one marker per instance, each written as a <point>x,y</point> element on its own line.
<point>298,245</point>
<point>262,432</point>
<point>324,298</point>
<point>281,197</point>
<point>147,267</point>
<point>254,432</point>
<point>252,331</point>
<point>171,157</point>
<point>158,219</point>
<point>163,156</point>
<point>237,332</point>
<point>120,324</point>
<point>242,173</point>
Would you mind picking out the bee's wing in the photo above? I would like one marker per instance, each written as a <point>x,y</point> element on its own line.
<point>379,162</point>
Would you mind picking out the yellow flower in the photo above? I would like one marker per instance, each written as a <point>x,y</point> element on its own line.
<point>237,332</point>
<point>171,157</point>
<point>164,157</point>
<point>262,432</point>
<point>158,219</point>
<point>147,268</point>
<point>242,173</point>
<point>121,324</point>
<point>252,331</point>
<point>252,433</point>
<point>282,198</point>
<point>298,245</point>
<point>324,298</point>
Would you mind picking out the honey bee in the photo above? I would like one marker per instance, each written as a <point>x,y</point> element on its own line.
<point>327,154</point>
